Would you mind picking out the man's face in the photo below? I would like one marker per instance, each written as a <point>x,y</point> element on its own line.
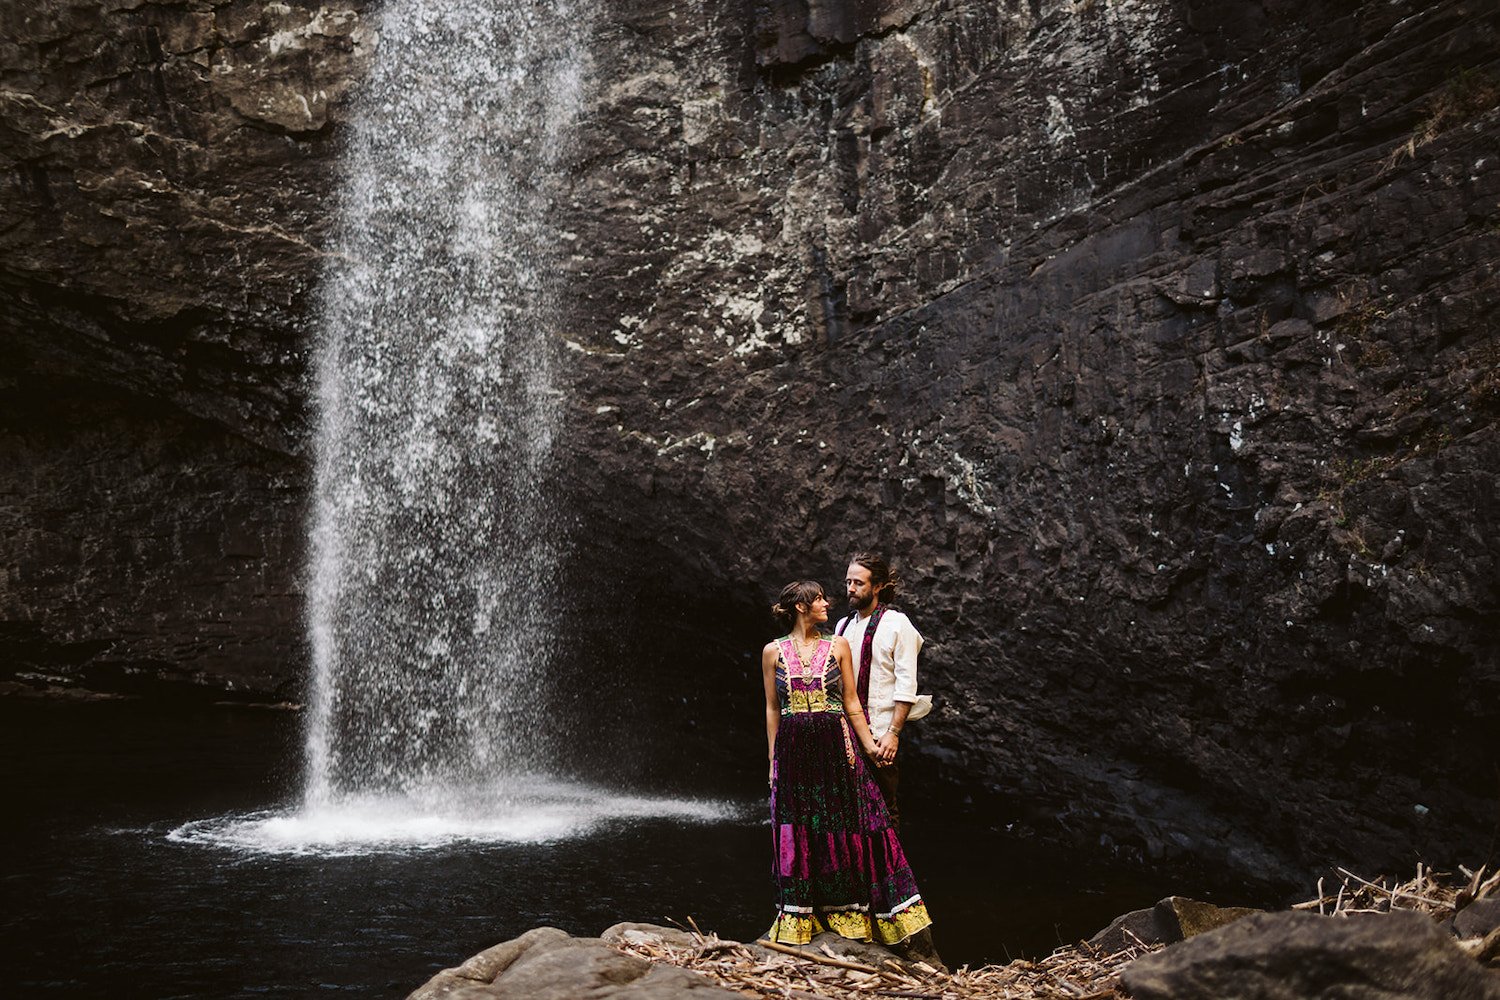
<point>857,585</point>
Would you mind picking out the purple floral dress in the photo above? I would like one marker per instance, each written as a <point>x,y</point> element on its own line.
<point>839,865</point>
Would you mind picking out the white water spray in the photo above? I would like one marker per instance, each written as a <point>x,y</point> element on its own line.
<point>433,556</point>
<point>433,551</point>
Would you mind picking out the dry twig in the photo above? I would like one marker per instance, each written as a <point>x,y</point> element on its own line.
<point>1071,973</point>
<point>1430,892</point>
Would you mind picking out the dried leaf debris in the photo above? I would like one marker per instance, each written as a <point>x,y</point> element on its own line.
<point>1074,972</point>
<point>1438,894</point>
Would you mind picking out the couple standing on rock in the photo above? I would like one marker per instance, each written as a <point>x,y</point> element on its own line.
<point>839,864</point>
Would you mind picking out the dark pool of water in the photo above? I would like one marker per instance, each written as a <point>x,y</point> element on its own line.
<point>97,900</point>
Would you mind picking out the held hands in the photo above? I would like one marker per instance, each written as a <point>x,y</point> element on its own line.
<point>885,748</point>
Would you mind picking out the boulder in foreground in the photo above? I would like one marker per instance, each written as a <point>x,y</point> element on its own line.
<point>1306,956</point>
<point>549,964</point>
<point>1173,919</point>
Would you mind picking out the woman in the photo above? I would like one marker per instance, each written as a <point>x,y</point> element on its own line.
<point>839,865</point>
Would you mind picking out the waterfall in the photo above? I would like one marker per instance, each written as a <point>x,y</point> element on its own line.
<point>434,549</point>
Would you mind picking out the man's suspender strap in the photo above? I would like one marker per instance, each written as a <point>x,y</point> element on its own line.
<point>866,655</point>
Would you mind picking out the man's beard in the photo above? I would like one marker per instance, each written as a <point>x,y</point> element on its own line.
<point>862,606</point>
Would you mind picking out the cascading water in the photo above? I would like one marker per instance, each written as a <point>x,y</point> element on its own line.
<point>433,553</point>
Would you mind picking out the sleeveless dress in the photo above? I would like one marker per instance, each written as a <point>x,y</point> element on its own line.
<point>838,864</point>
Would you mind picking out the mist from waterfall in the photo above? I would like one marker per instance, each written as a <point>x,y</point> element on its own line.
<point>434,547</point>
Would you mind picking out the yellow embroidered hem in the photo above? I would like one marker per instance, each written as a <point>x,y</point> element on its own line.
<point>800,928</point>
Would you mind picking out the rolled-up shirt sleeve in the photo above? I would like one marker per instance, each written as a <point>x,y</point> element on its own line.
<point>908,645</point>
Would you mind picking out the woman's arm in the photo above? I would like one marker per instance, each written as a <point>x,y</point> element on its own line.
<point>768,657</point>
<point>852,708</point>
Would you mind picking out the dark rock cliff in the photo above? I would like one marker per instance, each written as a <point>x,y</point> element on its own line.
<point>1154,340</point>
<point>166,168</point>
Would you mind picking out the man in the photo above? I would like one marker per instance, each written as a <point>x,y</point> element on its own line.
<point>885,666</point>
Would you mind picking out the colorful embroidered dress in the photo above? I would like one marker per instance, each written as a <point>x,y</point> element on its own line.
<point>839,865</point>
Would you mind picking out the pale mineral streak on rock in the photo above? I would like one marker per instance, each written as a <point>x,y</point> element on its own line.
<point>284,70</point>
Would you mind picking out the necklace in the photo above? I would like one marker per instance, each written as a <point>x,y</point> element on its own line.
<point>806,654</point>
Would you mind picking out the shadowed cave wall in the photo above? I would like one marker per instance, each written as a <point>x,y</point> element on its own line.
<point>1154,340</point>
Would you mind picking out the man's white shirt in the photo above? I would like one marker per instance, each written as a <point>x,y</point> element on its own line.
<point>893,663</point>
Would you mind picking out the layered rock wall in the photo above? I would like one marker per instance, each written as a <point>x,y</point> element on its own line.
<point>167,173</point>
<point>1156,342</point>
<point>1153,339</point>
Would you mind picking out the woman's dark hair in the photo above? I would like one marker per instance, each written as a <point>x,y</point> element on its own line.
<point>881,577</point>
<point>795,593</point>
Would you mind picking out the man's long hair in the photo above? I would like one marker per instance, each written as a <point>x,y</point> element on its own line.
<point>881,577</point>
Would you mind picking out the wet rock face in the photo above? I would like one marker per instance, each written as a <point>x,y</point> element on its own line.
<point>167,172</point>
<point>1153,340</point>
<point>159,550</point>
<point>166,175</point>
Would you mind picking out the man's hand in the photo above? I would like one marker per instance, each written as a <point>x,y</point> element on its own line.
<point>885,750</point>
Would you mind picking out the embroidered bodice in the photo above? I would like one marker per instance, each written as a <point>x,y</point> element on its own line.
<point>808,687</point>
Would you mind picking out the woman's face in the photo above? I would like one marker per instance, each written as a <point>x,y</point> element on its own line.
<point>818,609</point>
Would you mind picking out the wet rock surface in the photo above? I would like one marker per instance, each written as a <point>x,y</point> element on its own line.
<point>1156,341</point>
<point>167,174</point>
<point>159,548</point>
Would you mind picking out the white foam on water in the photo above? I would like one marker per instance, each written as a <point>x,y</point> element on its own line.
<point>526,812</point>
